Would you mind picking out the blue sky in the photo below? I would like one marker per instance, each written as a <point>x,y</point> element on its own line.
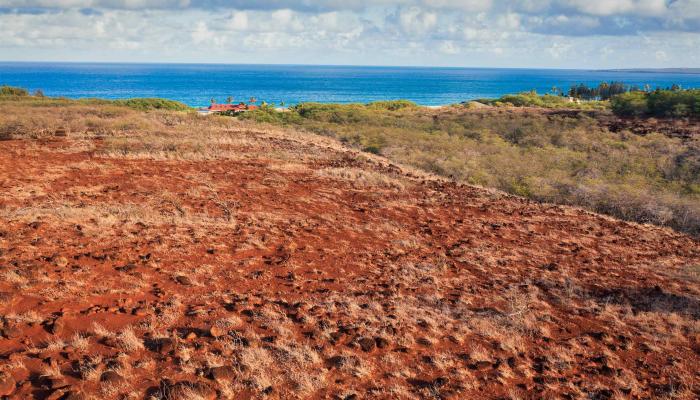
<point>471,33</point>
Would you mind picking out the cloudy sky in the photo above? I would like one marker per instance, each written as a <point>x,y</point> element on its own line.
<point>474,33</point>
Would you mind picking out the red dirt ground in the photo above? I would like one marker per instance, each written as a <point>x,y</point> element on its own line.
<point>289,267</point>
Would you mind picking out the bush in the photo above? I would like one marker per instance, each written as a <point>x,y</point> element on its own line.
<point>374,149</point>
<point>674,103</point>
<point>532,99</point>
<point>146,104</point>
<point>13,91</point>
<point>392,105</point>
<point>659,103</point>
<point>266,114</point>
<point>9,129</point>
<point>630,104</point>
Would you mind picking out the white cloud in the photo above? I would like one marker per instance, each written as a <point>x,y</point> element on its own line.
<point>558,49</point>
<point>464,5</point>
<point>415,21</point>
<point>448,47</point>
<point>238,21</point>
<point>509,21</point>
<point>125,4</point>
<point>567,33</point>
<point>202,33</point>
<point>614,7</point>
<point>685,9</point>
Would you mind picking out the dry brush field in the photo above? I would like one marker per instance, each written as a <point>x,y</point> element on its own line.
<point>167,256</point>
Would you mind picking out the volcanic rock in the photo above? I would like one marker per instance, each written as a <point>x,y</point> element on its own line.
<point>224,373</point>
<point>112,377</point>
<point>216,331</point>
<point>7,385</point>
<point>184,280</point>
<point>367,344</point>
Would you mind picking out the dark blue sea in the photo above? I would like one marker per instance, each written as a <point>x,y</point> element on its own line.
<point>196,84</point>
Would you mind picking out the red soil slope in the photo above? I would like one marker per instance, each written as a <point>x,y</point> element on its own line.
<point>275,265</point>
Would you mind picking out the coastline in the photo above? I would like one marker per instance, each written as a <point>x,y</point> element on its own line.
<point>195,85</point>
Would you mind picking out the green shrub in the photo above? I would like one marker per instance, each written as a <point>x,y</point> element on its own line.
<point>392,105</point>
<point>146,104</point>
<point>13,91</point>
<point>659,103</point>
<point>532,99</point>
<point>266,114</point>
<point>372,149</point>
<point>523,99</point>
<point>674,103</point>
<point>630,104</point>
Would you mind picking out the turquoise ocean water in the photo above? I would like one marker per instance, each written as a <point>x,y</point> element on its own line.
<point>196,84</point>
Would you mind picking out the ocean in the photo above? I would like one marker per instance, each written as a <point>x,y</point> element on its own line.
<point>196,84</point>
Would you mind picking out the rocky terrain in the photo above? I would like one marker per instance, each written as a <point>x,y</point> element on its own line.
<point>176,257</point>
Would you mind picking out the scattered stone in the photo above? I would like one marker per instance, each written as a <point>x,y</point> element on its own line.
<point>269,339</point>
<point>191,336</point>
<point>57,326</point>
<point>367,344</point>
<point>196,311</point>
<point>60,261</point>
<point>7,385</point>
<point>216,331</point>
<point>336,361</point>
<point>139,311</point>
<point>166,345</point>
<point>56,394</point>
<point>126,268</point>
<point>220,374</point>
<point>441,381</point>
<point>381,342</point>
<point>184,280</point>
<point>58,382</point>
<point>112,377</point>
<point>110,342</point>
<point>480,365</point>
<point>335,336</point>
<point>11,331</point>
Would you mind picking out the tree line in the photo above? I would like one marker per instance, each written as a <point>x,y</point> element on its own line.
<point>608,90</point>
<point>658,103</point>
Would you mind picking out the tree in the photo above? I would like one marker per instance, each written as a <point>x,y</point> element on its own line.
<point>229,100</point>
<point>213,101</point>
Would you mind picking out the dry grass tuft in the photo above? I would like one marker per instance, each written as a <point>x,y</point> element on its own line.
<point>128,340</point>
<point>362,179</point>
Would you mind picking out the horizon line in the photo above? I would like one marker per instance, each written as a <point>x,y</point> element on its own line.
<point>339,65</point>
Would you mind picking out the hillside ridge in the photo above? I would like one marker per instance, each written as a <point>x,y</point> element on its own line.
<point>179,257</point>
